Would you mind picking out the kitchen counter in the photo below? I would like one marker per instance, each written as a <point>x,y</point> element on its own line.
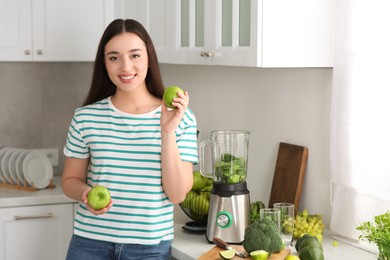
<point>185,246</point>
<point>188,246</point>
<point>15,198</point>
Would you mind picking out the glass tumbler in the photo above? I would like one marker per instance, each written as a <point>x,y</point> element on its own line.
<point>287,218</point>
<point>273,214</point>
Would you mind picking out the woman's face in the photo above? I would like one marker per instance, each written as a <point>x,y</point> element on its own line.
<point>126,60</point>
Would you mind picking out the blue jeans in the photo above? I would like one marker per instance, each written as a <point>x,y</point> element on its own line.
<point>81,248</point>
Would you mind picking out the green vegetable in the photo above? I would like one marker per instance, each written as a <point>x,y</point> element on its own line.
<point>263,235</point>
<point>311,253</point>
<point>310,242</point>
<point>255,210</point>
<point>230,169</point>
<point>300,240</point>
<point>377,232</point>
<point>309,248</point>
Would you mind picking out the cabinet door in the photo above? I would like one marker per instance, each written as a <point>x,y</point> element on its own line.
<point>297,33</point>
<point>35,232</point>
<point>67,30</point>
<point>216,32</point>
<point>15,30</point>
<point>156,17</point>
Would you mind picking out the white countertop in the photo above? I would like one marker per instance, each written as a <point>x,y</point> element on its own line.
<point>188,246</point>
<point>185,246</point>
<point>15,198</point>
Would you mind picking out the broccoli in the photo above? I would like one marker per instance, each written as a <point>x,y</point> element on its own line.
<point>263,235</point>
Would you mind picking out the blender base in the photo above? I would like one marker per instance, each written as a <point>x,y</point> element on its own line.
<point>195,227</point>
<point>229,212</point>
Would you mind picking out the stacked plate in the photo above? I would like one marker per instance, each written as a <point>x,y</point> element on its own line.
<point>21,166</point>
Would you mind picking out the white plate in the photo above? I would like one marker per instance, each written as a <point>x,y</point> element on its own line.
<point>2,151</point>
<point>4,164</point>
<point>12,164</point>
<point>19,165</point>
<point>37,170</point>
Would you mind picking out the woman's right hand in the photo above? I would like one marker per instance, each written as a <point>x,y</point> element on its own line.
<point>84,199</point>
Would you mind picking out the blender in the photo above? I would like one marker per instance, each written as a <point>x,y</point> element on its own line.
<point>229,211</point>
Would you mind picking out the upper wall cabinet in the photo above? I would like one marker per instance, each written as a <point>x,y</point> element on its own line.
<point>156,17</point>
<point>296,33</point>
<point>255,33</point>
<point>216,32</point>
<point>51,30</point>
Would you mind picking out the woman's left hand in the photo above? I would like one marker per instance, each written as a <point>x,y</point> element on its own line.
<point>171,118</point>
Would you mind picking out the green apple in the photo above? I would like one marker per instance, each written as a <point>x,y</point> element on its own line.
<point>98,197</point>
<point>169,94</point>
<point>200,204</point>
<point>198,181</point>
<point>187,201</point>
<point>209,181</point>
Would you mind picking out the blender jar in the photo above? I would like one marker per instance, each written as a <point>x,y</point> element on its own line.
<point>229,152</point>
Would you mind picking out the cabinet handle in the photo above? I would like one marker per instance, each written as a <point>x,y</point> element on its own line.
<point>207,54</point>
<point>39,52</point>
<point>27,52</point>
<point>47,215</point>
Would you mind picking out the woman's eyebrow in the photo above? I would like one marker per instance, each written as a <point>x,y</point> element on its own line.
<point>116,52</point>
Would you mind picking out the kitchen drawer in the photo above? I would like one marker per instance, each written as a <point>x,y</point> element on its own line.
<point>35,232</point>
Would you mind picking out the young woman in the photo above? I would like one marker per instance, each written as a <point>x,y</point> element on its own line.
<point>125,138</point>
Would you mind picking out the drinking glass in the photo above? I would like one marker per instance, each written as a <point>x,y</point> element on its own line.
<point>287,221</point>
<point>273,214</point>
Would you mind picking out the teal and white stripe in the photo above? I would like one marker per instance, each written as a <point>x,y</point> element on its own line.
<point>125,154</point>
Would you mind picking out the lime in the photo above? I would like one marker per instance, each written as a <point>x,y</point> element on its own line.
<point>292,257</point>
<point>335,243</point>
<point>259,255</point>
<point>227,254</point>
<point>169,94</point>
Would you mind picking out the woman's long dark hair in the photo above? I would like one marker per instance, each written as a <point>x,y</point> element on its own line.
<point>101,85</point>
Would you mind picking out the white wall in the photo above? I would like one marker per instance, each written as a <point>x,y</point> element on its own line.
<point>277,105</point>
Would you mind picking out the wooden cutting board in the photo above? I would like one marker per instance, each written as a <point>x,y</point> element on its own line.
<point>213,254</point>
<point>288,176</point>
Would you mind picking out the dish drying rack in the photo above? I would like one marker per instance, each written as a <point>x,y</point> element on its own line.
<point>24,185</point>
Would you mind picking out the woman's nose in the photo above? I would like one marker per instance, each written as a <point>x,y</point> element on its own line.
<point>126,64</point>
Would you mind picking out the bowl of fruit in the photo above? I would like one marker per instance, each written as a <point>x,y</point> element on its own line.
<point>197,202</point>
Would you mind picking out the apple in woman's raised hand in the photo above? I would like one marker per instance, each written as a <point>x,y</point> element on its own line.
<point>169,94</point>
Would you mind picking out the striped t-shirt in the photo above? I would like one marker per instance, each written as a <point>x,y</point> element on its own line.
<point>125,156</point>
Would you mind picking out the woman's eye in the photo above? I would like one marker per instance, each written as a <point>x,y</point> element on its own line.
<point>112,58</point>
<point>136,56</point>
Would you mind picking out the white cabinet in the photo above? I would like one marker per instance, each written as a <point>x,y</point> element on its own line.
<point>256,33</point>
<point>297,33</point>
<point>156,17</point>
<point>35,232</point>
<point>55,30</point>
<point>216,32</point>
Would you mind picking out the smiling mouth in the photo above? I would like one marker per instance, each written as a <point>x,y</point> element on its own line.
<point>127,77</point>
